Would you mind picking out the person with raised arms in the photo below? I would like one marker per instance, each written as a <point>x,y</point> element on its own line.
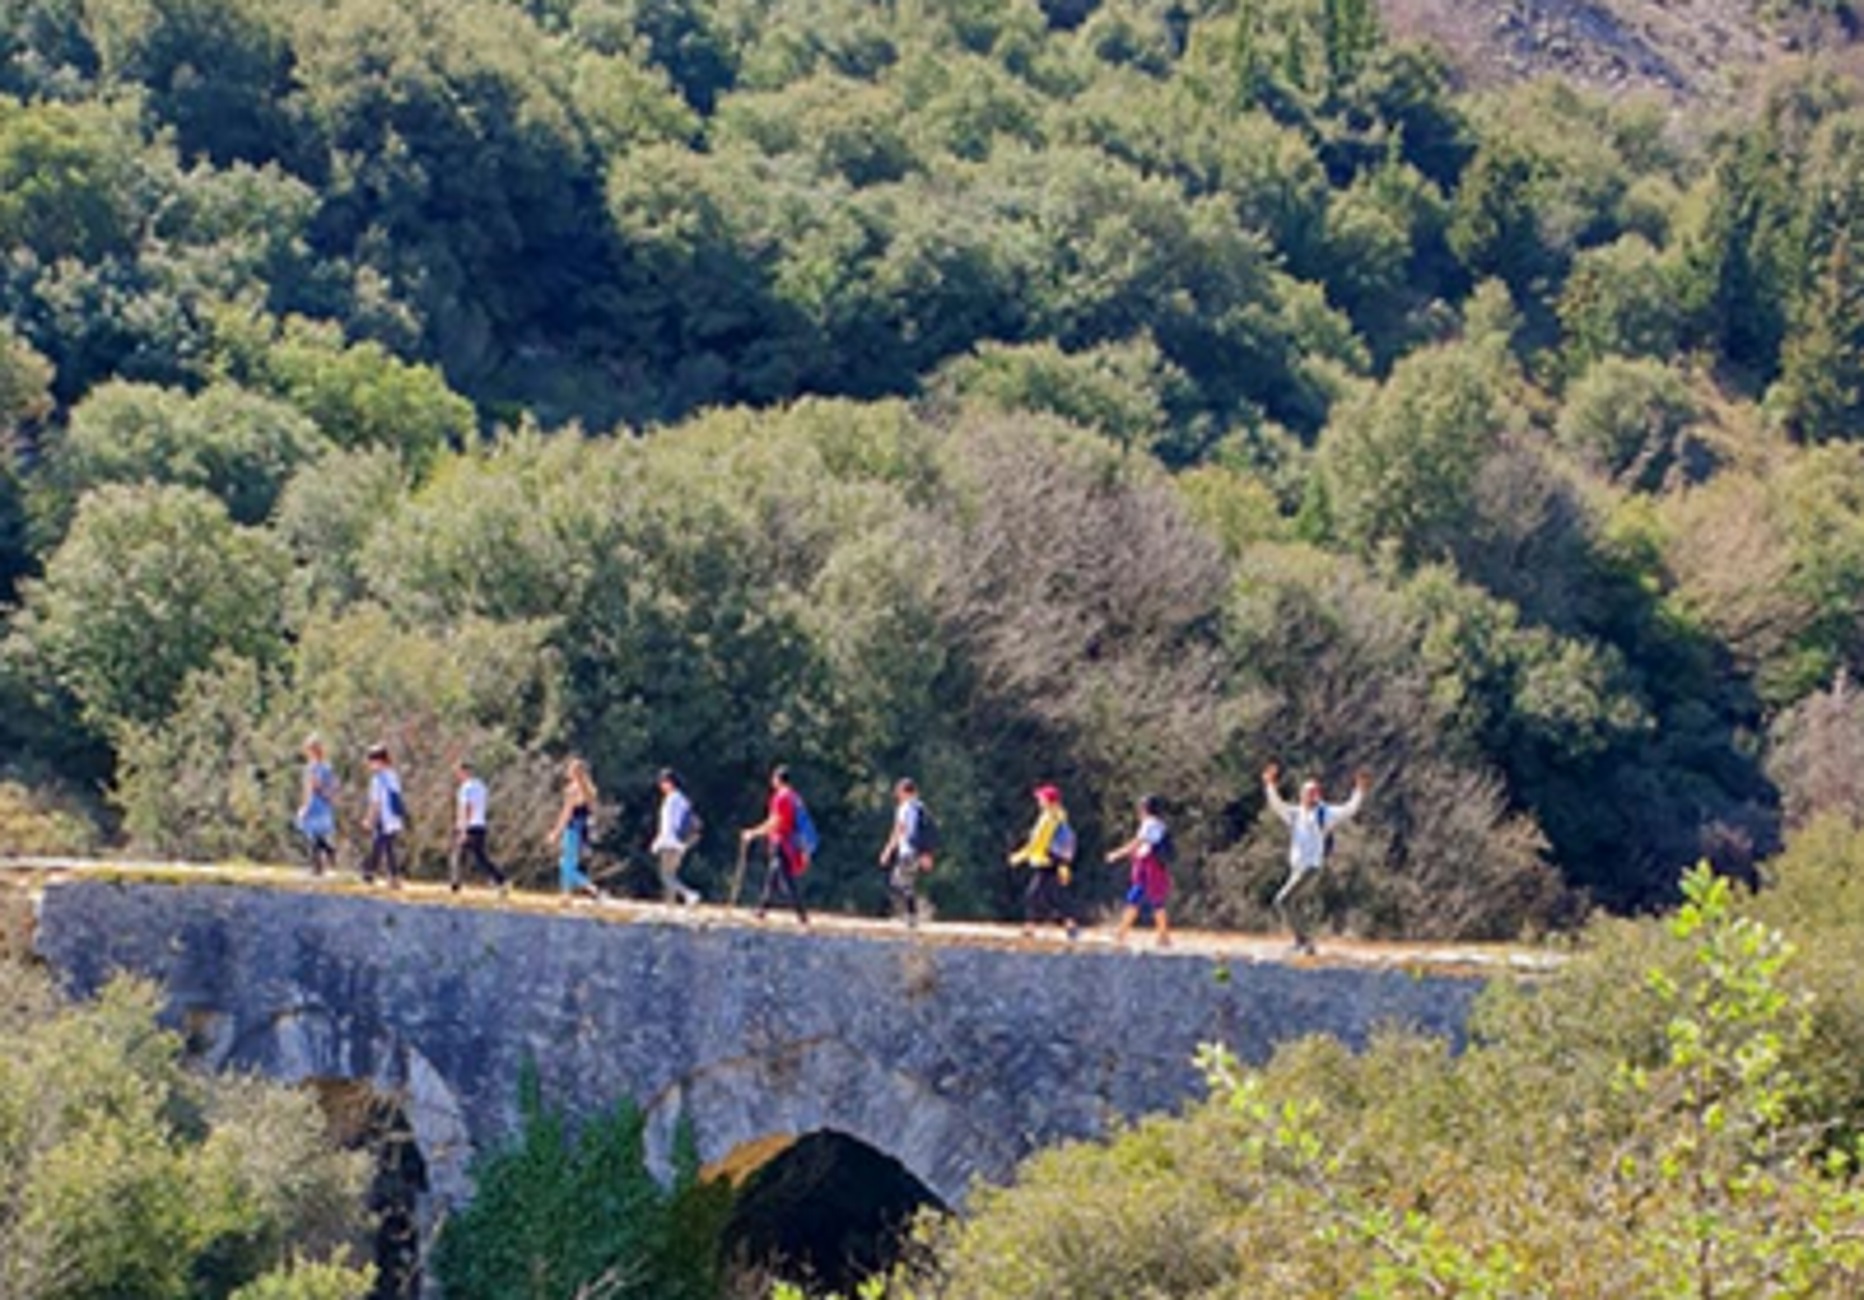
<point>1311,824</point>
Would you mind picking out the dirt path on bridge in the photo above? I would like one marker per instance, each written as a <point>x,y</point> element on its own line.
<point>33,874</point>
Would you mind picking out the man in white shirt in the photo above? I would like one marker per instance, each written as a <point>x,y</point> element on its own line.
<point>907,853</point>
<point>469,829</point>
<point>676,831</point>
<point>1310,824</point>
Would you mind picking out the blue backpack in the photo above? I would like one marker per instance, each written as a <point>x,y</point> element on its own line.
<point>807,839</point>
<point>1061,844</point>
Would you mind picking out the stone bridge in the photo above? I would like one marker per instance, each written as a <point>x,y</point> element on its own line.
<point>956,1057</point>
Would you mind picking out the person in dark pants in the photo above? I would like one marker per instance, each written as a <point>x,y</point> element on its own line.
<point>782,832</point>
<point>386,818</point>
<point>1049,855</point>
<point>469,830</point>
<point>907,853</point>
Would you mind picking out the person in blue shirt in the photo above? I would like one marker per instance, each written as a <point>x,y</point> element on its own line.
<point>675,832</point>
<point>386,818</point>
<point>1311,824</point>
<point>317,811</point>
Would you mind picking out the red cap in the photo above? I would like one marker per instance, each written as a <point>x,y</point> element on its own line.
<point>1048,793</point>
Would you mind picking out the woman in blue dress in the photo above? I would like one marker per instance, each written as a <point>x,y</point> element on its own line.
<point>317,813</point>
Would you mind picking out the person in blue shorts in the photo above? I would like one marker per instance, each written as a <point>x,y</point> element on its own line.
<point>1150,852</point>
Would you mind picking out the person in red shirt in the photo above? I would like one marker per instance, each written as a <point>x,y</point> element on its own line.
<point>788,856</point>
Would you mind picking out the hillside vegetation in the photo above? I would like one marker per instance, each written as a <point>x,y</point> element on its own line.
<point>1119,394</point>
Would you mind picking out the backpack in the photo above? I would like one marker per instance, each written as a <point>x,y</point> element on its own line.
<point>396,808</point>
<point>1061,844</point>
<point>807,838</point>
<point>690,828</point>
<point>926,834</point>
<point>1166,850</point>
<point>1326,836</point>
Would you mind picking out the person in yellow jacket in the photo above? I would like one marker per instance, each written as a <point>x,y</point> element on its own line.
<point>1049,855</point>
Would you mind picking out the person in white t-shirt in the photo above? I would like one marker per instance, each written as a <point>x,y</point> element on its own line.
<point>907,854</point>
<point>386,819</point>
<point>470,828</point>
<point>675,832</point>
<point>1311,823</point>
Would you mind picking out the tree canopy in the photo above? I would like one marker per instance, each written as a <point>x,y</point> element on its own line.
<point>1116,393</point>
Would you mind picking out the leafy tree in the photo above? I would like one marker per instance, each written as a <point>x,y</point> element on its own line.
<point>237,445</point>
<point>150,583</point>
<point>564,1212</point>
<point>127,1174</point>
<point>1401,459</point>
<point>1642,1129</point>
<point>1630,420</point>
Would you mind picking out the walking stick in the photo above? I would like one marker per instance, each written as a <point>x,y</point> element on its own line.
<point>737,877</point>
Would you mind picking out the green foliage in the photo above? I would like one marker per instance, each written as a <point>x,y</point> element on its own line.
<point>1401,459</point>
<point>1639,1123</point>
<point>126,1174</point>
<point>149,584</point>
<point>564,1213</point>
<point>34,824</point>
<point>370,275</point>
<point>239,446</point>
<point>1628,419</point>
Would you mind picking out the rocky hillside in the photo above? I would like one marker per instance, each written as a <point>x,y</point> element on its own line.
<point>1685,50</point>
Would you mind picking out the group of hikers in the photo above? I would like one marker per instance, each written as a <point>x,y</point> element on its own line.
<point>789,840</point>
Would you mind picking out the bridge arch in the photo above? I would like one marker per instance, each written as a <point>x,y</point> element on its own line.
<point>764,1100</point>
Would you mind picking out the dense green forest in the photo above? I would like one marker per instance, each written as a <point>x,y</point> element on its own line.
<point>1118,394</point>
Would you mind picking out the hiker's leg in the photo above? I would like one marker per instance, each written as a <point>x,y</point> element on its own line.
<point>1128,915</point>
<point>455,863</point>
<point>1286,906</point>
<point>792,886</point>
<point>1164,927</point>
<point>373,862</point>
<point>670,885</point>
<point>570,877</point>
<point>388,855</point>
<point>774,869</point>
<point>481,858</point>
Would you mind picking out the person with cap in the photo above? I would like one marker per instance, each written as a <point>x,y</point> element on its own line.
<point>317,810</point>
<point>675,832</point>
<point>908,850</point>
<point>470,829</point>
<point>386,819</point>
<point>1049,855</point>
<point>1311,824</point>
<point>784,838</point>
<point>1150,852</point>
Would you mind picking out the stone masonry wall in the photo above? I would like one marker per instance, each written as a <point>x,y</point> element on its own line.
<point>956,1060</point>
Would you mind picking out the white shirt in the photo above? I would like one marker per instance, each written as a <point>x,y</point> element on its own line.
<point>906,820</point>
<point>674,808</point>
<point>472,801</point>
<point>1307,847</point>
<point>384,807</point>
<point>1152,832</point>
